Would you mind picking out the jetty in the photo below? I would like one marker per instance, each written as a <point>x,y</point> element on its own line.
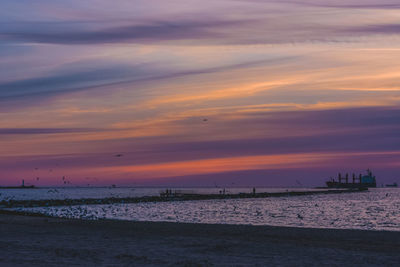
<point>391,185</point>
<point>167,195</point>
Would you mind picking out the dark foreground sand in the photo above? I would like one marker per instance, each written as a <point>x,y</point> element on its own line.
<point>40,241</point>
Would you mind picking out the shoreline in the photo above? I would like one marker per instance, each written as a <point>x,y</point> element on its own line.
<point>43,240</point>
<point>42,215</point>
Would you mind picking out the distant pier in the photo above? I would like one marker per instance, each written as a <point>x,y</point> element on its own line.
<point>22,186</point>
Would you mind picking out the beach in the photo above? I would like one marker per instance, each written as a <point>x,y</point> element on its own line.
<point>46,241</point>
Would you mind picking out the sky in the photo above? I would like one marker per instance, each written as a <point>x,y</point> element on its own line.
<point>198,92</point>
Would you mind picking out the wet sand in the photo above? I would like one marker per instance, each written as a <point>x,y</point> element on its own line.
<point>42,241</point>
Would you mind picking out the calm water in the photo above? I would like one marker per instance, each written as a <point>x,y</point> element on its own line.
<point>378,209</point>
<point>105,192</point>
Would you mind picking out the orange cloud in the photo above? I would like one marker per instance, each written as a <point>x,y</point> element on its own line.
<point>218,165</point>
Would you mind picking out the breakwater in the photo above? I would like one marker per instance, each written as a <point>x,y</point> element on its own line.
<point>167,196</point>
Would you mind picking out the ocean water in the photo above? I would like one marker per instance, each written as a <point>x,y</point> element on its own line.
<point>377,209</point>
<point>118,192</point>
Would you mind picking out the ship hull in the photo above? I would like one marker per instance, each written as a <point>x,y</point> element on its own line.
<point>350,185</point>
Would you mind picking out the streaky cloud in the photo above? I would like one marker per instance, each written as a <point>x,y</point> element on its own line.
<point>152,32</point>
<point>207,32</point>
<point>29,131</point>
<point>339,4</point>
<point>380,29</point>
<point>253,26</point>
<point>67,81</point>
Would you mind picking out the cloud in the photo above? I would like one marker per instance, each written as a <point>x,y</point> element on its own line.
<point>29,131</point>
<point>352,4</point>
<point>269,133</point>
<point>261,31</point>
<point>256,24</point>
<point>362,129</point>
<point>65,81</point>
<point>68,79</point>
<point>153,32</point>
<point>350,138</point>
<point>267,30</point>
<point>379,29</point>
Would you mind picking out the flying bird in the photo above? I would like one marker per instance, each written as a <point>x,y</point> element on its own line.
<point>118,155</point>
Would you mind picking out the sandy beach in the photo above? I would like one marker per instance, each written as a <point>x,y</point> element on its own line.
<point>43,241</point>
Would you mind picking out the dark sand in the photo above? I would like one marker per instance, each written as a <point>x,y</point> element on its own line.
<point>41,241</point>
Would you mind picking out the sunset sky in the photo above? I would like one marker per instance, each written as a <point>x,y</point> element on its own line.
<point>198,92</point>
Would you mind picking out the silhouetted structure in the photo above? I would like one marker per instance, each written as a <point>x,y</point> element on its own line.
<point>362,181</point>
<point>22,186</point>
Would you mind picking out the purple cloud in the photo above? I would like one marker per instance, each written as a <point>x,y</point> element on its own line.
<point>28,131</point>
<point>154,32</point>
<point>350,130</point>
<point>339,4</point>
<point>379,29</point>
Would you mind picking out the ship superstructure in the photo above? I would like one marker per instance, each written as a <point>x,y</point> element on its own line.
<point>356,181</point>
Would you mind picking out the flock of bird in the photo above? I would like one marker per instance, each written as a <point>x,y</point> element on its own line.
<point>68,182</point>
<point>65,181</point>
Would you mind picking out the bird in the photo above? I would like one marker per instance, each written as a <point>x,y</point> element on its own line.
<point>205,119</point>
<point>118,155</point>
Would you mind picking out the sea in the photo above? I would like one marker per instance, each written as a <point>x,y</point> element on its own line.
<point>375,209</point>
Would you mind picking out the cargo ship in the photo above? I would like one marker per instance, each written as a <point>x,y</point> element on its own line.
<point>360,181</point>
